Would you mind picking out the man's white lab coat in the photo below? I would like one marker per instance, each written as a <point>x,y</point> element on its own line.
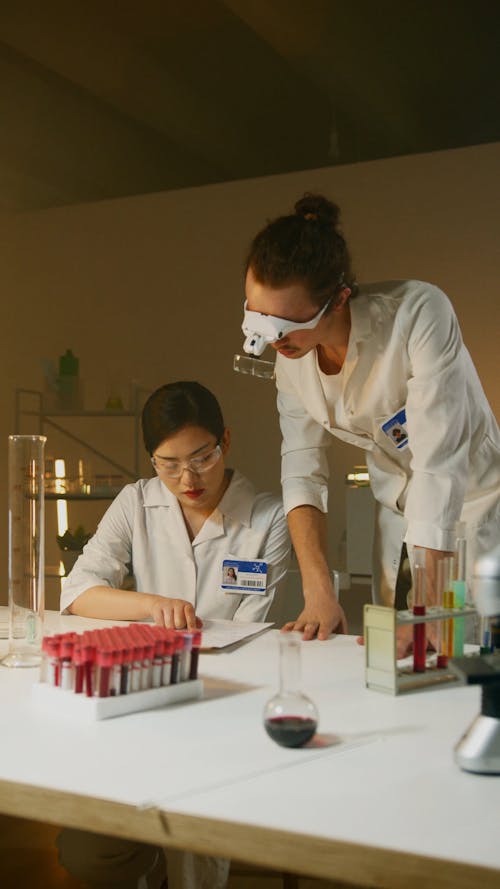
<point>405,351</point>
<point>144,527</point>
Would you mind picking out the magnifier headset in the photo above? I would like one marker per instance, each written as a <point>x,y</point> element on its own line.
<point>260,330</point>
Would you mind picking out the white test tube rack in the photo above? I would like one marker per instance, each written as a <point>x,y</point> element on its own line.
<point>65,703</point>
<point>383,670</point>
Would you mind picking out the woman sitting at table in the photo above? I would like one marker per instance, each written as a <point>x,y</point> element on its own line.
<point>176,531</point>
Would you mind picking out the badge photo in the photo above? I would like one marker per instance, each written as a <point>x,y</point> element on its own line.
<point>395,429</point>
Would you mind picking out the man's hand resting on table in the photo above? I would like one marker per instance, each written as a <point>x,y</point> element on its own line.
<point>321,616</point>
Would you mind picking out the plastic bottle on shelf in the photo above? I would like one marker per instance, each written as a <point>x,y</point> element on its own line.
<point>69,383</point>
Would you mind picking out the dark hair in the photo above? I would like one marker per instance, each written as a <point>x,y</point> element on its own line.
<point>304,247</point>
<point>176,405</point>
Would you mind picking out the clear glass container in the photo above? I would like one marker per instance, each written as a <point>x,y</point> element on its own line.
<point>290,717</point>
<point>26,550</point>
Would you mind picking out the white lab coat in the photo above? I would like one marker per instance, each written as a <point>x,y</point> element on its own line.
<point>405,350</point>
<point>144,527</point>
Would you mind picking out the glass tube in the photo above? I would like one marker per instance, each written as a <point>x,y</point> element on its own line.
<point>26,550</point>
<point>441,638</point>
<point>448,602</point>
<point>419,632</point>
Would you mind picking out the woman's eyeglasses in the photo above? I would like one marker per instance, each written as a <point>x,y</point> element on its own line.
<point>197,465</point>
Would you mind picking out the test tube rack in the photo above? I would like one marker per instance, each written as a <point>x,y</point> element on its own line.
<point>383,670</point>
<point>57,701</point>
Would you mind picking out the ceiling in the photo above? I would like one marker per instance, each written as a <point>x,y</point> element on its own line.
<point>108,98</point>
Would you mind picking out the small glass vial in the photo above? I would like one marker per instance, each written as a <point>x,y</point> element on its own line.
<point>290,717</point>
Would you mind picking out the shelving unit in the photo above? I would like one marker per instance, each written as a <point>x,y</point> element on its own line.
<point>30,403</point>
<point>34,415</point>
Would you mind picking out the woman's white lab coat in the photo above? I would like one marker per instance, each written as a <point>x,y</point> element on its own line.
<point>405,351</point>
<point>144,527</point>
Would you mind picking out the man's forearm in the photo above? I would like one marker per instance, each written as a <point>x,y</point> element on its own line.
<point>308,530</point>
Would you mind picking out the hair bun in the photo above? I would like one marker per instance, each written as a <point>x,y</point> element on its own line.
<point>316,208</point>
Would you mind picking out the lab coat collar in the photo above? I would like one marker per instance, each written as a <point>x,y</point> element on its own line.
<point>236,502</point>
<point>238,499</point>
<point>362,322</point>
<point>157,494</point>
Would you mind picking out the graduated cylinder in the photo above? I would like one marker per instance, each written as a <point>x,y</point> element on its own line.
<point>26,550</point>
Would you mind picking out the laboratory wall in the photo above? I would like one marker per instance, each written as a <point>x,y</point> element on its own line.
<point>149,289</point>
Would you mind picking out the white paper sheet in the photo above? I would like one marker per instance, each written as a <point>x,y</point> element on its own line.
<point>222,633</point>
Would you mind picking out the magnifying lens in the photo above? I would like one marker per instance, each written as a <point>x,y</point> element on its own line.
<point>260,330</point>
<point>255,367</point>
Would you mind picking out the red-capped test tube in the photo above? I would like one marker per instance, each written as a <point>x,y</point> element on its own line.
<point>419,634</point>
<point>168,653</point>
<point>111,643</point>
<point>78,662</point>
<point>138,655</point>
<point>53,666</point>
<point>142,634</point>
<point>176,658</point>
<point>185,657</point>
<point>158,654</point>
<point>88,648</point>
<point>195,655</point>
<point>66,661</point>
<point>147,657</point>
<point>127,656</point>
<point>104,662</point>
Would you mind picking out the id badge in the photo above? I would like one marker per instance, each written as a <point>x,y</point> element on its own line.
<point>395,429</point>
<point>244,577</point>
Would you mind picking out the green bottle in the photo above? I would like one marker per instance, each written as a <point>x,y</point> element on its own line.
<point>68,382</point>
<point>69,364</point>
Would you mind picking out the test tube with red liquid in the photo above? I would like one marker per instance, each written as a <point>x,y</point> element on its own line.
<point>419,597</point>
<point>195,655</point>
<point>441,643</point>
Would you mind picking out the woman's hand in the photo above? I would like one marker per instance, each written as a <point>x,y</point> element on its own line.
<point>175,614</point>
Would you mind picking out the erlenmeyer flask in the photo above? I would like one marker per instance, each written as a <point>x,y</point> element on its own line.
<point>290,717</point>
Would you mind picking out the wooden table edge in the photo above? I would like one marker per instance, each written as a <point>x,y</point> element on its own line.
<point>352,863</point>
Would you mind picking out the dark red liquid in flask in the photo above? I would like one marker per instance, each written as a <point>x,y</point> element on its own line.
<point>291,731</point>
<point>290,717</point>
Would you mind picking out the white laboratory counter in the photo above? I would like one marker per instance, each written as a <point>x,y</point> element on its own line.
<point>384,805</point>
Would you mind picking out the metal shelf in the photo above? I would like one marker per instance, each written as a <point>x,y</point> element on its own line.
<point>30,403</point>
<point>99,495</point>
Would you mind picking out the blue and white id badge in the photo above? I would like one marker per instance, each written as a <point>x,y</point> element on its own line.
<point>395,429</point>
<point>244,577</point>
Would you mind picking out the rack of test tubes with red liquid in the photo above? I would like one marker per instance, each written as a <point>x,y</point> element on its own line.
<point>386,672</point>
<point>109,672</point>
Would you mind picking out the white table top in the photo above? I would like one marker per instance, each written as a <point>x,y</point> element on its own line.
<point>389,782</point>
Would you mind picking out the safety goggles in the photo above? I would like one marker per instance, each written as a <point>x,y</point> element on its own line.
<point>197,465</point>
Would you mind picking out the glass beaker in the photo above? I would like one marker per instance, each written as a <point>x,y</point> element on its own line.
<point>290,717</point>
<point>26,550</point>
